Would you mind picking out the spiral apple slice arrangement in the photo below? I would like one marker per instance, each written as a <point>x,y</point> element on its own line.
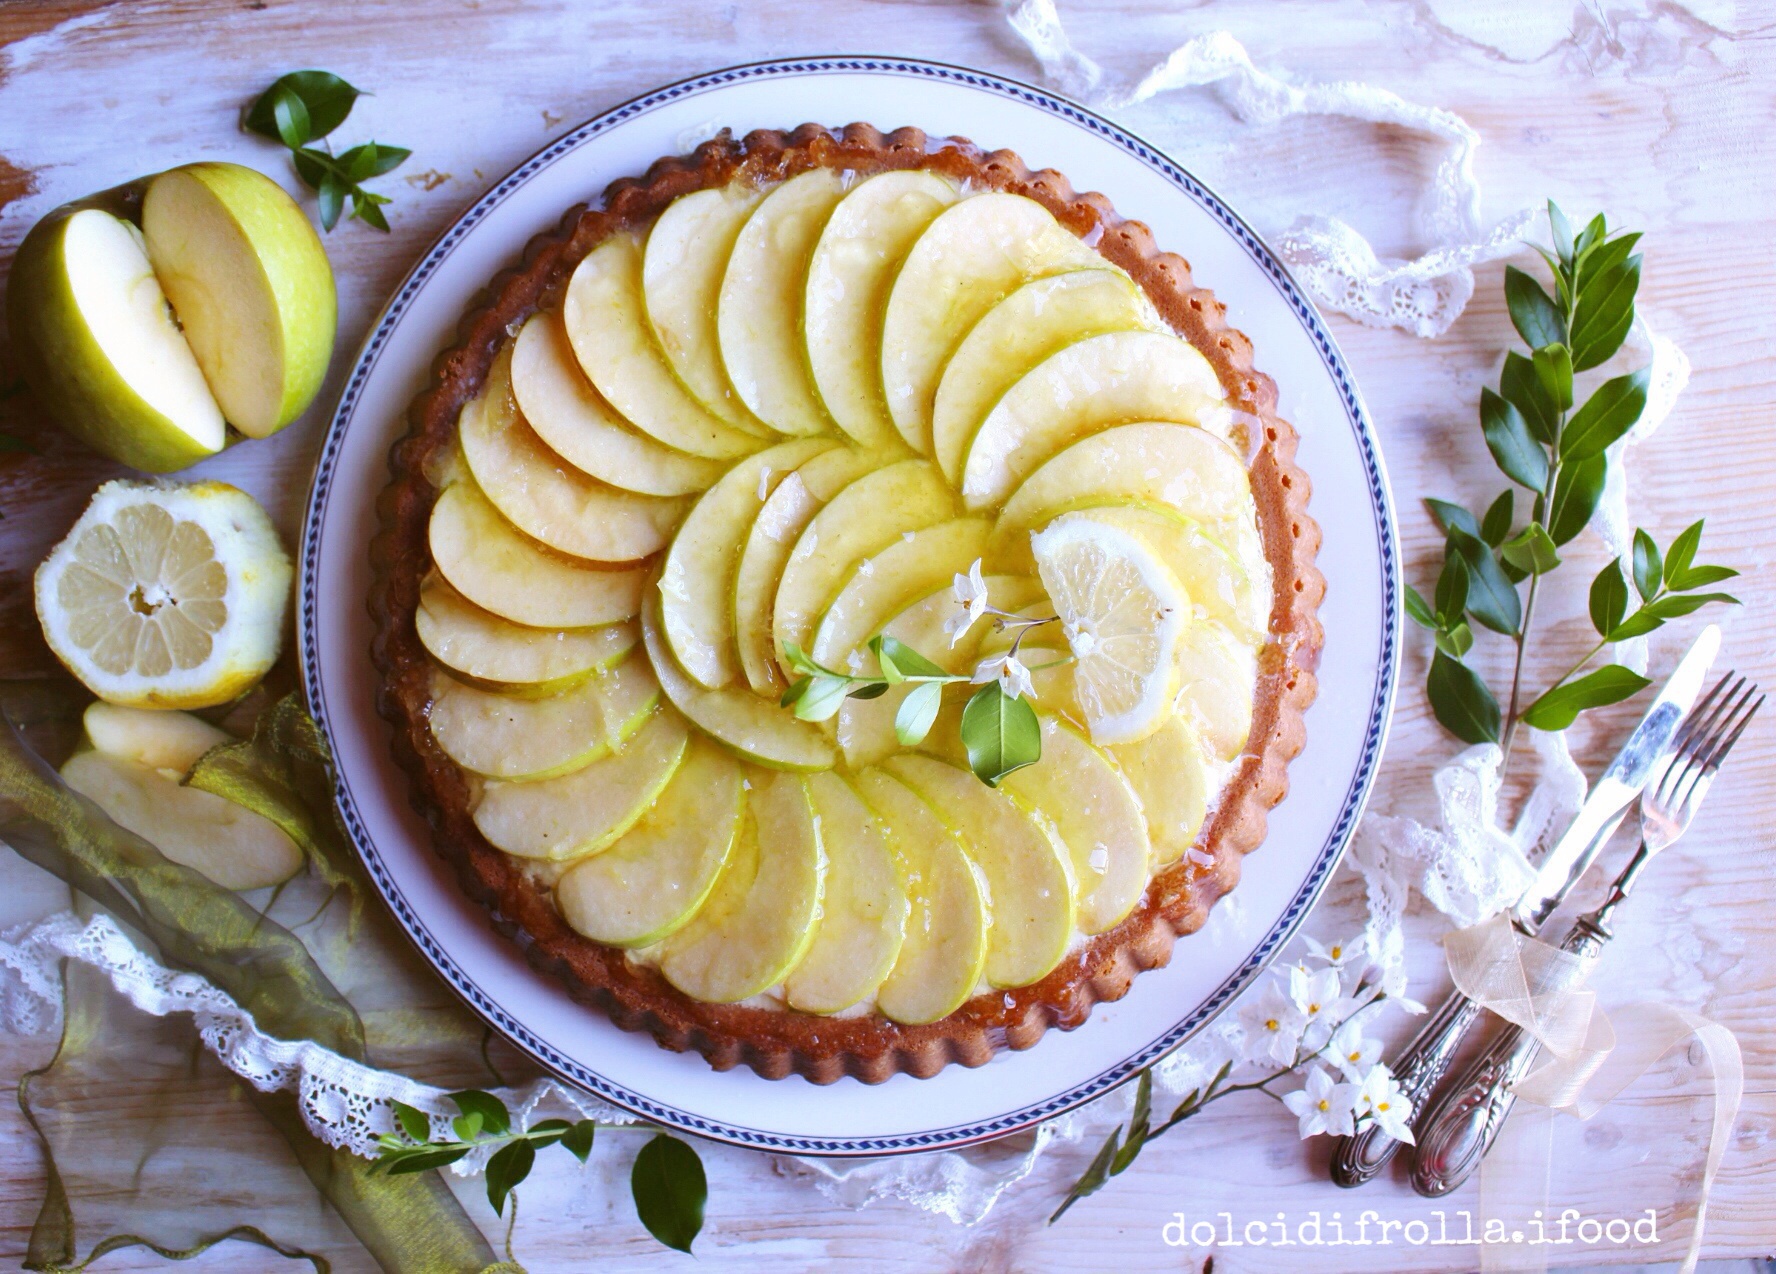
<point>763,436</point>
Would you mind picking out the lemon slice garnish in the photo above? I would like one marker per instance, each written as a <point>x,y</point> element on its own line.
<point>1122,612</point>
<point>166,596</point>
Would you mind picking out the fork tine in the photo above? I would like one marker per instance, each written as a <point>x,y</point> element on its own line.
<point>1688,725</point>
<point>1725,746</point>
<point>1692,743</point>
<point>1707,751</point>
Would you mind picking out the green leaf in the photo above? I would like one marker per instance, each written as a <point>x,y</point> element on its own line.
<point>546,1132</point>
<point>1605,257</point>
<point>1701,577</point>
<point>413,1122</point>
<point>1452,590</point>
<point>472,1101</point>
<point>1457,641</point>
<point>331,196</point>
<point>1530,551</point>
<point>670,1190</point>
<point>366,207</point>
<point>325,98</point>
<point>510,1164</point>
<point>1522,387</point>
<point>1418,610</point>
<point>578,1139</point>
<point>425,1160</point>
<point>289,116</point>
<point>1576,493</point>
<point>1000,734</point>
<point>822,699</point>
<point>1560,707</point>
<point>466,1127</point>
<point>1561,229</point>
<point>372,159</point>
<point>1452,517</point>
<point>910,662</point>
<point>917,712</point>
<point>1639,624</point>
<point>1683,551</point>
<point>1605,313</point>
<point>794,691</point>
<point>1138,1123</point>
<point>1553,369</point>
<point>1496,525</point>
<point>1649,571</point>
<point>1679,605</point>
<point>1492,599</point>
<point>1593,234</point>
<point>312,166</point>
<point>1513,448</point>
<point>1606,416</point>
<point>1533,313</point>
<point>1094,1177</point>
<point>1609,599</point>
<point>868,690</point>
<point>1461,701</point>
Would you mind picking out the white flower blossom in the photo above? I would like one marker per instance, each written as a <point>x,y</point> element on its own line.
<point>1008,671</point>
<point>1324,1106</point>
<point>1380,1098</point>
<point>1273,1027</point>
<point>970,591</point>
<point>1319,996</point>
<point>1339,953</point>
<point>1353,1051</point>
<point>1393,985</point>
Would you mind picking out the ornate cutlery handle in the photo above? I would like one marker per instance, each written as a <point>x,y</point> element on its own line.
<point>1420,1065</point>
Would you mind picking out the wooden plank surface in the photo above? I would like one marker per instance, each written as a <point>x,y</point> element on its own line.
<point>1658,112</point>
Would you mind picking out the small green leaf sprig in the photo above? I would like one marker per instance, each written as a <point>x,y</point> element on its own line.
<point>305,106</point>
<point>667,1180</point>
<point>1559,454</point>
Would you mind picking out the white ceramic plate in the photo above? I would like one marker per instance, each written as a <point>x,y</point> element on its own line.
<point>1328,782</point>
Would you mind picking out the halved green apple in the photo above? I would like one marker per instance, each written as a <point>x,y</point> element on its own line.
<point>608,329</point>
<point>1219,673</point>
<point>1082,389</point>
<point>945,950</point>
<point>547,499</point>
<point>883,585</point>
<point>571,418</point>
<point>154,737</point>
<point>505,656</point>
<point>493,565</point>
<point>759,318</point>
<point>849,275</point>
<point>648,884</point>
<point>1097,816</point>
<point>564,818</point>
<point>1170,774</point>
<point>1028,873</point>
<point>1041,318</point>
<point>760,918</point>
<point>697,578</point>
<point>968,257</point>
<point>863,910</point>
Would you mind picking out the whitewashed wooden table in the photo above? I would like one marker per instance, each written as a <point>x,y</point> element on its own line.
<point>1658,112</point>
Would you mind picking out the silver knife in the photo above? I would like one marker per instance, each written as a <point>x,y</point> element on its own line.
<point>1423,1063</point>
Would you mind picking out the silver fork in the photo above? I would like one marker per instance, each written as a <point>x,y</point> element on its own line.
<point>1460,1127</point>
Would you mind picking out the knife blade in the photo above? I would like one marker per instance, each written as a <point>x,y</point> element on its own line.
<point>1617,787</point>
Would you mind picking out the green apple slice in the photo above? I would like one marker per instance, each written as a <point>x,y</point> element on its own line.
<point>506,736</point>
<point>760,918</point>
<point>697,579</point>
<point>609,331</point>
<point>547,499</point>
<point>758,730</point>
<point>849,274</point>
<point>573,421</point>
<point>1087,387</point>
<point>863,911</point>
<point>1041,318</point>
<point>1029,876</point>
<point>154,737</point>
<point>490,563</point>
<point>1171,776</point>
<point>505,656</point>
<point>971,255</point>
<point>229,843</point>
<point>681,277</point>
<point>248,278</point>
<point>780,523</point>
<point>94,337</point>
<point>648,884</point>
<point>884,585</point>
<point>945,950</point>
<point>1098,817</point>
<point>862,520</point>
<point>759,318</point>
<point>1219,674</point>
<point>580,813</point>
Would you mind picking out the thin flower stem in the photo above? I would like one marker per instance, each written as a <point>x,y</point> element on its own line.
<point>1522,640</point>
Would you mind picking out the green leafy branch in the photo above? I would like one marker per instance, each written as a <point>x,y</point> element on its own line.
<point>1559,453</point>
<point>667,1180</point>
<point>305,106</point>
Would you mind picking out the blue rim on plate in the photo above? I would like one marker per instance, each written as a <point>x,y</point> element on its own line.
<point>1381,701</point>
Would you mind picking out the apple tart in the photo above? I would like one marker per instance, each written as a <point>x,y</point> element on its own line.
<point>762,404</point>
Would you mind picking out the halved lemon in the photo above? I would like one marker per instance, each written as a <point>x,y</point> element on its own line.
<point>1123,612</point>
<point>166,595</point>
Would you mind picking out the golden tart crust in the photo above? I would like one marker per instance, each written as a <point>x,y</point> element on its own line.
<point>779,1042</point>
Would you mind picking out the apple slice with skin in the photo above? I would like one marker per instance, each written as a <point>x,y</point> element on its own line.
<point>759,318</point>
<point>863,910</point>
<point>760,918</point>
<point>970,256</point>
<point>756,729</point>
<point>849,274</point>
<point>1098,817</point>
<point>564,818</point>
<point>945,950</point>
<point>648,884</point>
<point>156,738</point>
<point>608,328</point>
<point>1087,387</point>
<point>681,276</point>
<point>1028,873</point>
<point>859,521</point>
<point>501,655</point>
<point>248,278</point>
<point>229,843</point>
<point>506,736</point>
<point>1170,774</point>
<point>1041,318</point>
<point>541,495</point>
<point>883,585</point>
<point>571,418</point>
<point>780,522</point>
<point>697,578</point>
<point>495,566</point>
